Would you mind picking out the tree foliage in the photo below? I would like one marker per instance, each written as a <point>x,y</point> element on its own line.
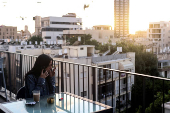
<point>35,38</point>
<point>158,103</point>
<point>86,39</point>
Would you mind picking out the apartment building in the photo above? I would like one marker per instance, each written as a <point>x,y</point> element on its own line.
<point>159,35</point>
<point>121,18</point>
<point>52,28</point>
<point>101,33</point>
<point>25,34</point>
<point>8,32</point>
<point>84,54</point>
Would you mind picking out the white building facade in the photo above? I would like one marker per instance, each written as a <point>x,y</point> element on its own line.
<point>52,27</point>
<point>159,34</point>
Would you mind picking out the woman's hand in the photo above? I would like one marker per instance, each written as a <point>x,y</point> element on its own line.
<point>52,72</point>
<point>44,75</point>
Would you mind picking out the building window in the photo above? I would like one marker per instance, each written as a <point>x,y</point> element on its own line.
<point>54,29</point>
<point>85,93</point>
<point>48,37</point>
<point>6,29</point>
<point>111,36</point>
<point>0,33</point>
<point>3,37</point>
<point>81,48</point>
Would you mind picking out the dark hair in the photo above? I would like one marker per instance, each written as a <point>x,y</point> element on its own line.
<point>42,62</point>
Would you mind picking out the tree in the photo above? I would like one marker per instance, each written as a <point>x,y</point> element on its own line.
<point>158,103</point>
<point>86,39</point>
<point>35,38</point>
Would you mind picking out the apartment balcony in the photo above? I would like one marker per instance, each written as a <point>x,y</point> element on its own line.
<point>81,80</point>
<point>164,65</point>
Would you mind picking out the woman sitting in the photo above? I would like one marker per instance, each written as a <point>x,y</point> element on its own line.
<point>41,77</point>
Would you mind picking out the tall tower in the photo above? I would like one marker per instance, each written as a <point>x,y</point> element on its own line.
<point>121,18</point>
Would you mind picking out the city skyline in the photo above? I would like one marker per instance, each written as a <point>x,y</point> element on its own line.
<point>99,12</point>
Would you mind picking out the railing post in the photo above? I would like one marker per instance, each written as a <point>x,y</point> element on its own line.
<point>105,89</point>
<point>127,93</point>
<point>94,83</point>
<point>9,71</point>
<point>153,97</point>
<point>62,78</point>
<point>20,70</point>
<point>163,98</point>
<point>119,92</point>
<point>143,107</point>
<point>99,97</point>
<point>112,89</point>
<point>88,84</point>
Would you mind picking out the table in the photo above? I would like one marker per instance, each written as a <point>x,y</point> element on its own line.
<point>70,104</point>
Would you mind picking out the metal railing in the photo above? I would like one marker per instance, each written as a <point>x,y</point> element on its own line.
<point>80,79</point>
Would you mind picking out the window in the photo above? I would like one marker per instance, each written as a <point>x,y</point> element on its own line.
<point>111,36</point>
<point>81,48</point>
<point>54,29</point>
<point>48,37</point>
<point>0,33</point>
<point>85,93</point>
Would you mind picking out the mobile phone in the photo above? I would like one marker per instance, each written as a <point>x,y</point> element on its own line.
<point>30,103</point>
<point>43,69</point>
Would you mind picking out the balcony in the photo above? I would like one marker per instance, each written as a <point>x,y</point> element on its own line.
<point>111,88</point>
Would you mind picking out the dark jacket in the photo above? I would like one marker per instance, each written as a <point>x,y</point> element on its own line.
<point>46,86</point>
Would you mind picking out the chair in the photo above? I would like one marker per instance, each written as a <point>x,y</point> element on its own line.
<point>21,93</point>
<point>3,77</point>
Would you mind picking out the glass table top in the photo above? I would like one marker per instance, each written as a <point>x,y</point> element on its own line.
<point>69,104</point>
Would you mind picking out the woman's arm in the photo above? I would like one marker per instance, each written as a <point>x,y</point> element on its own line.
<point>32,83</point>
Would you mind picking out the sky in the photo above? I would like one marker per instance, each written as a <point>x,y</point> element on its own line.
<point>100,12</point>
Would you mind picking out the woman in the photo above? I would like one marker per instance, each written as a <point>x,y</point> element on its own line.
<point>40,77</point>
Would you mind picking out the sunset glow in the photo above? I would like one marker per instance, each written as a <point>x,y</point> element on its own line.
<point>100,12</point>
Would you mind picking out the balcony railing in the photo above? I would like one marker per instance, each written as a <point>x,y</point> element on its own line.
<point>80,79</point>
